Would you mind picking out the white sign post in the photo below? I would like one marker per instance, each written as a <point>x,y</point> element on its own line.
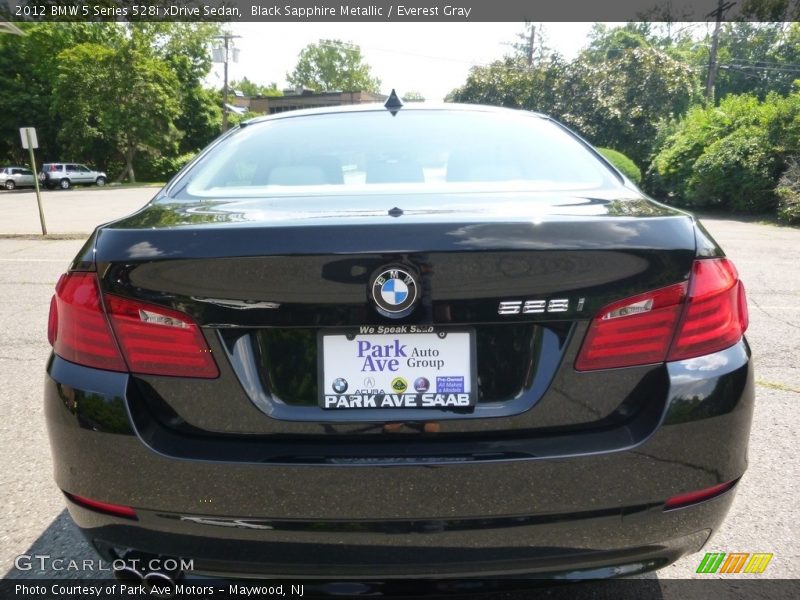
<point>29,142</point>
<point>28,135</point>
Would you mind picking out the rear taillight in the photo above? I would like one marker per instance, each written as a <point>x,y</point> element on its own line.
<point>78,328</point>
<point>716,312</point>
<point>634,331</point>
<point>159,341</point>
<point>706,314</point>
<point>52,321</point>
<point>132,336</point>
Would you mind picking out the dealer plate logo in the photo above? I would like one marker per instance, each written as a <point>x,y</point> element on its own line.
<point>394,291</point>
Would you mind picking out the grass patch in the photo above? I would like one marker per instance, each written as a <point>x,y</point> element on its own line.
<point>139,184</point>
<point>49,236</point>
<point>776,386</point>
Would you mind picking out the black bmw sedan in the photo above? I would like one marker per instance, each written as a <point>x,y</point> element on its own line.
<point>405,342</point>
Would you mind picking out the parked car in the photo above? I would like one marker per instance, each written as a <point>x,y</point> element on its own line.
<point>377,343</point>
<point>65,175</point>
<point>14,177</point>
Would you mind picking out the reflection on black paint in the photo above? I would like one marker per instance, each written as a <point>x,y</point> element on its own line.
<point>96,411</point>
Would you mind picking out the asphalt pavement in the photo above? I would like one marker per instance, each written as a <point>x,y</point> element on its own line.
<point>75,211</point>
<point>764,517</point>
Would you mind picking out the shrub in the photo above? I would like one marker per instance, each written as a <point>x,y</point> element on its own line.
<point>161,168</point>
<point>788,193</point>
<point>728,156</point>
<point>736,172</point>
<point>681,144</point>
<point>623,163</point>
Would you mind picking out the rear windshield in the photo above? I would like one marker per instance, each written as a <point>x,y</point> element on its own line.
<point>367,151</point>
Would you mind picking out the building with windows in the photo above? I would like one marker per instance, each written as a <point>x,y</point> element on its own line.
<point>295,99</point>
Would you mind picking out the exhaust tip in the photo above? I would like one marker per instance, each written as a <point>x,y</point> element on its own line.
<point>159,578</point>
<point>161,583</point>
<point>150,569</point>
<point>128,574</point>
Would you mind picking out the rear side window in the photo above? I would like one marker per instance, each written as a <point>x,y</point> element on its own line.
<point>414,149</point>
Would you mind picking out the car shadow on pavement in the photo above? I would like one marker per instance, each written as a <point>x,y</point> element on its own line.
<point>61,541</point>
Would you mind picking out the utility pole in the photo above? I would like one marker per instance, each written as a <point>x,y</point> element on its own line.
<point>222,55</point>
<point>530,46</point>
<point>722,8</point>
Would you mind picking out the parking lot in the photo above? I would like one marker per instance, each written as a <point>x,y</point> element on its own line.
<point>765,513</point>
<point>73,211</point>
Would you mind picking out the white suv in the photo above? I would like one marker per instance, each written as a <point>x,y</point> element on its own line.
<point>14,177</point>
<point>65,175</point>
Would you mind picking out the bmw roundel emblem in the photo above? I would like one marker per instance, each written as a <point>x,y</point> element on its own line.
<point>394,291</point>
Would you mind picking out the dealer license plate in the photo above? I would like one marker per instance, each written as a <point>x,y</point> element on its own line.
<point>401,366</point>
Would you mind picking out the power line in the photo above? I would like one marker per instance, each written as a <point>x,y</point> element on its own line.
<point>757,68</point>
<point>722,8</point>
<point>763,62</point>
<point>741,72</point>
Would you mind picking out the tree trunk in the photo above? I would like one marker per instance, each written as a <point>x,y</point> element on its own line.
<point>129,161</point>
<point>130,152</point>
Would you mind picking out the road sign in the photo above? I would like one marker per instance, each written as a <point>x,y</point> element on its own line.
<point>28,133</point>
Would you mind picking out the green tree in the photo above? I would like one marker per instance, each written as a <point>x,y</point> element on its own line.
<point>184,49</point>
<point>615,92</point>
<point>757,58</point>
<point>333,65</point>
<point>609,43</point>
<point>511,83</point>
<point>128,99</point>
<point>29,65</point>
<point>251,89</point>
<point>619,102</point>
<point>531,46</point>
<point>413,96</point>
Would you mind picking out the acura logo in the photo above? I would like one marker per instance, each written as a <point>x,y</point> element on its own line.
<point>394,291</point>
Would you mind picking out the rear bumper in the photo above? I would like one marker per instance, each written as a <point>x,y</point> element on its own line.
<point>551,514</point>
<point>572,546</point>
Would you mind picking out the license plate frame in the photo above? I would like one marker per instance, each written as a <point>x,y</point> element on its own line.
<point>454,389</point>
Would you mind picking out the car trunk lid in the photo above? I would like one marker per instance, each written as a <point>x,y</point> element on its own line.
<point>522,273</point>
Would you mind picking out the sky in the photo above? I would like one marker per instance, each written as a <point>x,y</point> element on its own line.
<point>431,58</point>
